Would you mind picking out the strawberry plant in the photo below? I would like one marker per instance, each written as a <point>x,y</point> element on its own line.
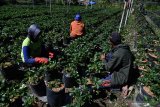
<point>80,57</point>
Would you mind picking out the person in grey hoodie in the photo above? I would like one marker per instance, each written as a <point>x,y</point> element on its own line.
<point>119,62</point>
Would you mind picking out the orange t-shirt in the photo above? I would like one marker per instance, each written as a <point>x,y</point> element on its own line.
<point>77,28</point>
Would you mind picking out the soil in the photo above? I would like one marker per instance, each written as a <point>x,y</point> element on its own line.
<point>58,89</point>
<point>114,100</point>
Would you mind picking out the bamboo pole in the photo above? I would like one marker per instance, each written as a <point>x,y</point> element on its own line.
<point>126,17</point>
<point>131,7</point>
<point>122,17</point>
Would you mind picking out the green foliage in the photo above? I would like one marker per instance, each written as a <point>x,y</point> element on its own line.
<point>35,75</point>
<point>56,83</point>
<point>80,95</point>
<point>71,70</point>
<point>82,52</point>
<point>28,100</point>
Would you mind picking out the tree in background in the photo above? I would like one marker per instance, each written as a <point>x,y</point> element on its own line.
<point>13,1</point>
<point>2,2</point>
<point>38,1</point>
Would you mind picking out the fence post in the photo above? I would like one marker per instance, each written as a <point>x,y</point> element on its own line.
<point>122,17</point>
<point>126,17</point>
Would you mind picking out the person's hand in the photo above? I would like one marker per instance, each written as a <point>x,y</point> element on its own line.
<point>106,83</point>
<point>41,60</point>
<point>102,57</point>
<point>51,55</point>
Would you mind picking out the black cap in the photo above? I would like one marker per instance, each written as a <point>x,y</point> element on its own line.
<point>115,38</point>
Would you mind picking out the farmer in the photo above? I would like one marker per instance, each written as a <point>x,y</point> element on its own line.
<point>119,62</point>
<point>77,27</point>
<point>32,49</point>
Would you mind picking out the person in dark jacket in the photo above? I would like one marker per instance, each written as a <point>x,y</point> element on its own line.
<point>119,62</point>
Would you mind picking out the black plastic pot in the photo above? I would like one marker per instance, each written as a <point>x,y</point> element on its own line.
<point>81,69</point>
<point>69,81</point>
<point>142,96</point>
<point>66,41</point>
<point>60,43</point>
<point>68,99</point>
<point>55,99</point>
<point>97,48</point>
<point>17,103</point>
<point>12,73</point>
<point>38,89</point>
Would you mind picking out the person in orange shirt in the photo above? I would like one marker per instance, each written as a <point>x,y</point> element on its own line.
<point>77,27</point>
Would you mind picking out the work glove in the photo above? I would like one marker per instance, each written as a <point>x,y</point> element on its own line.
<point>41,60</point>
<point>51,55</point>
<point>106,83</point>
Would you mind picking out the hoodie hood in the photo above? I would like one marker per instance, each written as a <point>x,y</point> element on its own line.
<point>33,32</point>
